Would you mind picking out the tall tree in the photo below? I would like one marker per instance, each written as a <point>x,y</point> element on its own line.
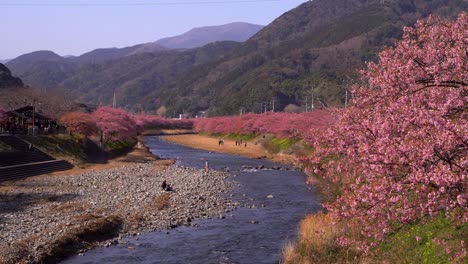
<point>79,122</point>
<point>115,123</point>
<point>400,151</point>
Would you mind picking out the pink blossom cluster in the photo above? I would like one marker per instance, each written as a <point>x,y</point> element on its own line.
<point>79,122</point>
<point>116,123</point>
<point>279,124</point>
<point>400,151</point>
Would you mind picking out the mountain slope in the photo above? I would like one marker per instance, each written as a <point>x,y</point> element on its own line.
<point>7,80</point>
<point>312,50</point>
<point>22,62</point>
<point>134,77</point>
<point>47,69</point>
<point>199,37</point>
<point>103,55</point>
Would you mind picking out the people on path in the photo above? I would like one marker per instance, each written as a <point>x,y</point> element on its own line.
<point>166,187</point>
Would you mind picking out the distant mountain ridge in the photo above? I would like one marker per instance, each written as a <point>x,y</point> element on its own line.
<point>195,38</point>
<point>198,37</point>
<point>314,50</point>
<point>48,69</point>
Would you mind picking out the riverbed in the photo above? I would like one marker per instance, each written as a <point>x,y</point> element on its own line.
<point>274,199</point>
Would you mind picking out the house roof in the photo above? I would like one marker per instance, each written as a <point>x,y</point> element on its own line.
<point>19,112</point>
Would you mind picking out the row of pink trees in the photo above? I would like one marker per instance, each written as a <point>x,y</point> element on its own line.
<point>400,151</point>
<point>116,123</point>
<point>280,124</point>
<point>152,121</point>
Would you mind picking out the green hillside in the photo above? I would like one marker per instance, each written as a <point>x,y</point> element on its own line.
<point>314,50</point>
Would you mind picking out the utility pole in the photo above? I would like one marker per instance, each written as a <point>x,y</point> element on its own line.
<point>33,117</point>
<point>312,103</point>
<point>273,100</point>
<point>114,101</point>
<point>346,98</point>
<point>266,107</point>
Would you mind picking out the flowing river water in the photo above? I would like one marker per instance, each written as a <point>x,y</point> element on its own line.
<point>247,235</point>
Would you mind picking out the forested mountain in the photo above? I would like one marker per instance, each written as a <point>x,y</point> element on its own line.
<point>134,77</point>
<point>6,79</point>
<point>312,50</point>
<point>14,94</point>
<point>103,55</point>
<point>48,69</point>
<point>315,49</point>
<point>199,37</point>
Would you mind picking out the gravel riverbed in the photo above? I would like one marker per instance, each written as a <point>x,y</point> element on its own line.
<point>37,212</point>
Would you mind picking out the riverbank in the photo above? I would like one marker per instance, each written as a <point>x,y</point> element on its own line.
<point>273,199</point>
<point>253,149</point>
<point>45,218</point>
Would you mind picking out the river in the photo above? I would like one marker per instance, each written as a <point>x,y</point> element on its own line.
<point>255,233</point>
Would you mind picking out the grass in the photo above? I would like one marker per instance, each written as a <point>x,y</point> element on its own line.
<point>425,243</point>
<point>5,147</point>
<point>73,147</point>
<point>284,143</point>
<point>118,148</point>
<point>94,228</point>
<point>162,201</point>
<point>62,146</point>
<point>276,145</point>
<point>233,136</point>
<point>317,243</point>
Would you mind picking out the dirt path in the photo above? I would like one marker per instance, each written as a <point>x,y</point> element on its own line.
<point>253,149</point>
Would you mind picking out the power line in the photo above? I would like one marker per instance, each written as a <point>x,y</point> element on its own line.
<point>139,4</point>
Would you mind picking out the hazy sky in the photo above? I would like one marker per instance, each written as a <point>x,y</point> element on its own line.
<point>73,27</point>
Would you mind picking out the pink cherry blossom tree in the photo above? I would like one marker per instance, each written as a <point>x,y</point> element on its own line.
<point>400,151</point>
<point>115,123</point>
<point>79,122</point>
<point>279,124</point>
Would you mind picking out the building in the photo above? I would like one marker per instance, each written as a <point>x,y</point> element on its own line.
<point>21,121</point>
